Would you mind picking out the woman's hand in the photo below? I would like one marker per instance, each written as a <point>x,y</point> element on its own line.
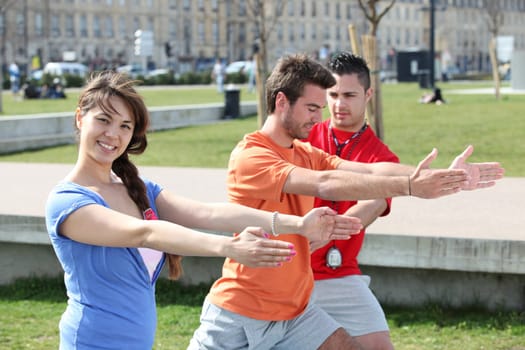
<point>253,248</point>
<point>322,224</point>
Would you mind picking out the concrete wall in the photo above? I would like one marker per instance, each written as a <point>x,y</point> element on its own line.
<point>19,133</point>
<point>405,271</point>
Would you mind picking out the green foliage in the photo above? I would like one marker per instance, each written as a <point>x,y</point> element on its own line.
<point>236,78</point>
<point>74,80</point>
<point>193,78</point>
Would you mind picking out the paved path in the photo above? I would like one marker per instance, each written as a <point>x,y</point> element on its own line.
<point>493,213</point>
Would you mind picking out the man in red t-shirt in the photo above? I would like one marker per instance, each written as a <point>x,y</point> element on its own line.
<point>340,288</point>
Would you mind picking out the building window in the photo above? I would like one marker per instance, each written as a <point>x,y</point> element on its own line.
<point>173,29</point>
<point>291,8</point>
<point>280,35</point>
<point>109,26</point>
<point>39,24</point>
<point>20,23</point>
<point>83,26</point>
<point>242,33</point>
<point>70,26</point>
<point>242,8</point>
<point>327,8</point>
<point>136,24</point>
<point>302,31</point>
<point>215,30</point>
<point>291,33</point>
<point>302,10</point>
<point>173,4</point>
<point>348,11</point>
<point>200,32</point>
<point>314,9</point>
<point>55,26</point>
<point>122,30</point>
<point>2,24</point>
<point>97,33</point>
<point>314,31</point>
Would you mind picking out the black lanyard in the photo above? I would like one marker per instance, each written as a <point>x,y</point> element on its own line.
<point>339,146</point>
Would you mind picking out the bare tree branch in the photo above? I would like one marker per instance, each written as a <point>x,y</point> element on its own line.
<point>493,16</point>
<point>370,12</point>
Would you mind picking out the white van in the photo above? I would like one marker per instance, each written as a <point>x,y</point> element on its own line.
<point>61,68</point>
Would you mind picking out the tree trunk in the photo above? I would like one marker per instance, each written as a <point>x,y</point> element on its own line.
<point>260,83</point>
<point>495,70</point>
<point>375,118</point>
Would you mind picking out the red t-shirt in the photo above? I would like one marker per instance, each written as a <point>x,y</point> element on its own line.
<point>366,148</point>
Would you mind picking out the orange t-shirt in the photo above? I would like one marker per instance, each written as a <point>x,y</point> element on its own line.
<point>257,173</point>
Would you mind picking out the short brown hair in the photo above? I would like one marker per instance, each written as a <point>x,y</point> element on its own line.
<point>291,74</point>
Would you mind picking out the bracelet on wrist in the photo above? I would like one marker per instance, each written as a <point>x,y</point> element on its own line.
<point>274,219</point>
<point>409,186</point>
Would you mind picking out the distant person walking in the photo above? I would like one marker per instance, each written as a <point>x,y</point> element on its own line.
<point>251,75</point>
<point>14,78</point>
<point>217,74</point>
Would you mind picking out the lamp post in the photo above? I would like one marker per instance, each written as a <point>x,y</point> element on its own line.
<point>432,53</point>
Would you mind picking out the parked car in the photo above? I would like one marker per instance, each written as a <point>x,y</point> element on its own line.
<point>239,67</point>
<point>62,68</point>
<point>157,72</point>
<point>133,70</point>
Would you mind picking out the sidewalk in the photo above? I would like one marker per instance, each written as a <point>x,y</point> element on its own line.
<point>493,213</point>
<point>460,250</point>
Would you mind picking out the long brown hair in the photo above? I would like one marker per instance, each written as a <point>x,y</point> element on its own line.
<point>97,93</point>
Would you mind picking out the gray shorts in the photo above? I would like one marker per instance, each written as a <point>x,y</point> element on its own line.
<point>222,329</point>
<point>351,303</point>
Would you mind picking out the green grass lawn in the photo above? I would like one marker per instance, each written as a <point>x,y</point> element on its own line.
<point>153,96</point>
<point>31,310</point>
<point>495,128</point>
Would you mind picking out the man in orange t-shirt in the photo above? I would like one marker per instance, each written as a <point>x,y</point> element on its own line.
<point>272,169</point>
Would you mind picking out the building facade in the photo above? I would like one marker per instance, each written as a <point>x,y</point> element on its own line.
<point>189,34</point>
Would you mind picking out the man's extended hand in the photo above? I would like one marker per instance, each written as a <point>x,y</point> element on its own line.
<point>323,223</point>
<point>481,175</point>
<point>434,183</point>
